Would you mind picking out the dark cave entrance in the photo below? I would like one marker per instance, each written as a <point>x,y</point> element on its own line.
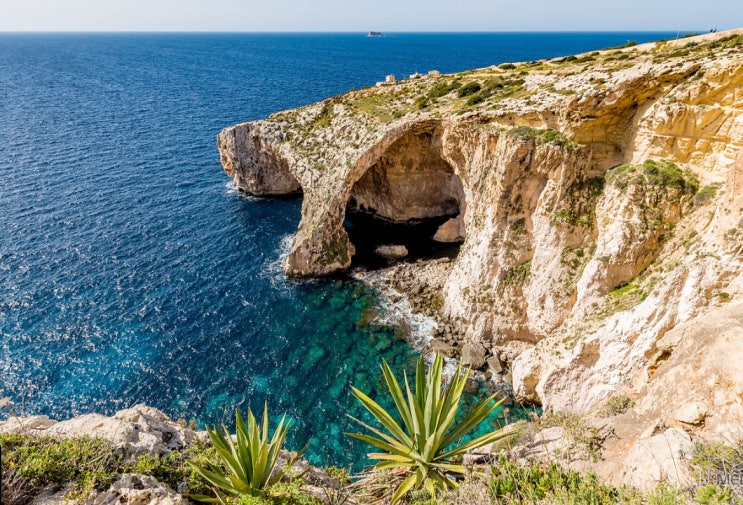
<point>410,197</point>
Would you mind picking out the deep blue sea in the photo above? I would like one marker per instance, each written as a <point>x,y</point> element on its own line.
<point>131,271</point>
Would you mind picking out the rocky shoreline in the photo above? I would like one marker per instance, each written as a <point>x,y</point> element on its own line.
<point>414,288</point>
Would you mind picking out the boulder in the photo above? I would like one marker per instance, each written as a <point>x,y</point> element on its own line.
<point>659,458</point>
<point>494,364</point>
<point>691,413</point>
<point>391,252</point>
<point>473,354</point>
<point>452,231</point>
<point>441,347</point>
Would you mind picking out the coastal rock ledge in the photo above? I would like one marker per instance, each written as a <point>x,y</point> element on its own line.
<point>598,199</point>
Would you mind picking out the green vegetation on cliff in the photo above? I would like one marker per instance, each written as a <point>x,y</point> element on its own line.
<point>663,174</point>
<point>31,464</point>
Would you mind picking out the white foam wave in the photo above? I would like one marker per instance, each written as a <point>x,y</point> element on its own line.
<point>397,310</point>
<point>274,268</point>
<point>230,189</point>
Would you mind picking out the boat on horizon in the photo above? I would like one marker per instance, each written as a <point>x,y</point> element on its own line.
<point>375,34</point>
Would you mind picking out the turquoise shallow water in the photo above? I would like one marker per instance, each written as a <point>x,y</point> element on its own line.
<point>131,272</point>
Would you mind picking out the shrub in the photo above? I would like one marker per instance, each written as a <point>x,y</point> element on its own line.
<point>546,136</point>
<point>716,464</point>
<point>617,404</point>
<point>422,102</point>
<point>507,66</point>
<point>476,98</point>
<point>630,43</point>
<point>248,464</point>
<point>469,89</point>
<point>443,89</point>
<point>714,495</point>
<point>510,483</point>
<point>704,195</point>
<point>32,463</point>
<point>661,173</point>
<point>423,451</point>
<point>325,116</point>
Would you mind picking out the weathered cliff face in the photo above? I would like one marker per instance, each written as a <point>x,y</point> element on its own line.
<point>409,182</point>
<point>581,246</point>
<point>248,158</point>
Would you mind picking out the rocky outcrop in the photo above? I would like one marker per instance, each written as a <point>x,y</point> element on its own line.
<point>598,201</point>
<point>138,430</point>
<point>132,489</point>
<point>253,165</point>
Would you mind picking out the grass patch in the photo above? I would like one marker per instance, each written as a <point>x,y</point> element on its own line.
<point>325,116</point>
<point>509,483</point>
<point>616,405</point>
<point>377,106</point>
<point>517,275</point>
<point>624,297</point>
<point>547,136</point>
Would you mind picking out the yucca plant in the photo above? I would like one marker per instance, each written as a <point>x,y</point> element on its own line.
<point>425,450</point>
<point>248,463</point>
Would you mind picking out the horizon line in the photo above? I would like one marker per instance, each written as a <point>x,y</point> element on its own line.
<point>343,32</point>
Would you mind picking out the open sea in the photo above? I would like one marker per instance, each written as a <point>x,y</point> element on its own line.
<point>130,269</point>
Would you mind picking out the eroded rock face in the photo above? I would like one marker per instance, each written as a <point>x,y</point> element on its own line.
<point>409,182</point>
<point>581,272</point>
<point>255,167</point>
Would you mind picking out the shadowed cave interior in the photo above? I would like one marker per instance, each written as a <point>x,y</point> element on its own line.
<point>408,197</point>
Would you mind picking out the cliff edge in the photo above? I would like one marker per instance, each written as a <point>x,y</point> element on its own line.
<point>598,200</point>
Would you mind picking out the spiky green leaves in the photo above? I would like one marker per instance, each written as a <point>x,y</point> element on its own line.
<point>247,462</point>
<point>423,449</point>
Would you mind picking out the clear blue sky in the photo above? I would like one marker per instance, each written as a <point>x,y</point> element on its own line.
<point>382,15</point>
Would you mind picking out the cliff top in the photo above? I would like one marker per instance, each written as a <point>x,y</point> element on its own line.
<point>522,87</point>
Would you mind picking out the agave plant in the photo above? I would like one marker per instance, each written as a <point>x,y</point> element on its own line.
<point>249,461</point>
<point>424,451</point>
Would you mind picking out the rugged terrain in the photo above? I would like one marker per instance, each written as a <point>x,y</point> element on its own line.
<point>598,200</point>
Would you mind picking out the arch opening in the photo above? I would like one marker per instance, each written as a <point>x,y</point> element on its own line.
<point>408,205</point>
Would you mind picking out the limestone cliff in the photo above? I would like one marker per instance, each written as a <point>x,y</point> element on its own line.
<point>599,199</point>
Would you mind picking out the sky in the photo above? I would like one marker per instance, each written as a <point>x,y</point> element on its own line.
<point>378,15</point>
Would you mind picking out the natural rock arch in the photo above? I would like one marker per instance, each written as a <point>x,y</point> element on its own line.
<point>406,194</point>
